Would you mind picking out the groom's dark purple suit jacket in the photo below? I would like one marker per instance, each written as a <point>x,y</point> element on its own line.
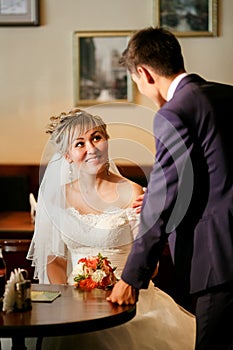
<point>189,199</point>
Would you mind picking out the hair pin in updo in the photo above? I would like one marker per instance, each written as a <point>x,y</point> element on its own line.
<point>56,120</point>
<point>75,111</point>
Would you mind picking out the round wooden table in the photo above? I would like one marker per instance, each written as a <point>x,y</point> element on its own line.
<point>75,311</point>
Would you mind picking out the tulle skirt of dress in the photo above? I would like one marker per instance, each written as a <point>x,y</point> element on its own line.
<point>160,324</point>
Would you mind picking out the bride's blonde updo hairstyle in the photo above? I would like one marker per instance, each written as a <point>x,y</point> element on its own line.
<point>67,126</point>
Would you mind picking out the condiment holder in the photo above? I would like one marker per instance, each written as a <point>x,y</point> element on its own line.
<point>17,295</point>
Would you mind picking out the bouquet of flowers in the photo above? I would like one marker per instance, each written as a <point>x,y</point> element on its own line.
<point>94,272</point>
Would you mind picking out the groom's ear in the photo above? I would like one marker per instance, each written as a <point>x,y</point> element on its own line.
<point>145,72</point>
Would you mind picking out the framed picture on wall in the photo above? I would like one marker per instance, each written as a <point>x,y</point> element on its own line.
<point>98,76</point>
<point>187,17</point>
<point>19,12</point>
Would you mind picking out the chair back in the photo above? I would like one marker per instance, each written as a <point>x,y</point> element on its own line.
<point>15,252</point>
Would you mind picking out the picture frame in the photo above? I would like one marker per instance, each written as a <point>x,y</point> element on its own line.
<point>98,76</point>
<point>187,17</point>
<point>19,12</point>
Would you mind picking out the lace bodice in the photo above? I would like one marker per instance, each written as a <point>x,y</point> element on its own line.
<point>110,233</point>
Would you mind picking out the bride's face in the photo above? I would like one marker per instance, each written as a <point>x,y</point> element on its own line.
<point>89,151</point>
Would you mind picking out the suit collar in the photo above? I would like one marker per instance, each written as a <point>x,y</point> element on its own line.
<point>190,78</point>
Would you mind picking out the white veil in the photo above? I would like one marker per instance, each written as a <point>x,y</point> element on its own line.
<point>50,211</point>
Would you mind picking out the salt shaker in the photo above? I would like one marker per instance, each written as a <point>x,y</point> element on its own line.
<point>23,295</point>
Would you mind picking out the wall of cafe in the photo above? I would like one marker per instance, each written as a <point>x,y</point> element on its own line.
<point>36,75</point>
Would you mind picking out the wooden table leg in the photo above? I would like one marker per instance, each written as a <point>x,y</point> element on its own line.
<point>18,343</point>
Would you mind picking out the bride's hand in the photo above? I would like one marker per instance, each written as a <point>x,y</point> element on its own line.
<point>123,293</point>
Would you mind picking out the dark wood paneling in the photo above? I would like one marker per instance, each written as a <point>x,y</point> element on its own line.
<point>33,172</point>
<point>30,171</point>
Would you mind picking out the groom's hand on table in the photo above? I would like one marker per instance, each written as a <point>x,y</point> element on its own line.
<point>123,293</point>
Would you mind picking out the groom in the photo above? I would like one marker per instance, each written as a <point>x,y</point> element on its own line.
<point>189,199</point>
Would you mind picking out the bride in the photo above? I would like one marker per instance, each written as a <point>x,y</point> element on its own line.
<point>85,208</point>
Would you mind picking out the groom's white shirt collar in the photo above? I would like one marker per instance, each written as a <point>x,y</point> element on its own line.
<point>173,86</point>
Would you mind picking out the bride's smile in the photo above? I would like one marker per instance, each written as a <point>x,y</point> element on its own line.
<point>92,159</point>
<point>90,147</point>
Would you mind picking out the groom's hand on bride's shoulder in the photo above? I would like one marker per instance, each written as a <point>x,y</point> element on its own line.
<point>123,293</point>
<point>137,204</point>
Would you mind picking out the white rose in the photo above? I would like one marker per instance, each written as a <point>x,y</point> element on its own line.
<point>98,275</point>
<point>78,269</point>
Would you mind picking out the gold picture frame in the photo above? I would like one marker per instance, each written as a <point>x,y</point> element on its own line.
<point>98,77</point>
<point>19,13</point>
<point>187,18</point>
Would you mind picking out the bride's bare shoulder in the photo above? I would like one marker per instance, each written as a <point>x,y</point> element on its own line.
<point>137,189</point>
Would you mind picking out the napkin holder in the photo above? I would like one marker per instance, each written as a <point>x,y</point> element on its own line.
<point>17,295</point>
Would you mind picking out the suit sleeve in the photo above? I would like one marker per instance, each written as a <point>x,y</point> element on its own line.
<point>166,200</point>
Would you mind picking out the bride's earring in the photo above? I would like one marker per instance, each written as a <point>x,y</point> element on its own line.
<point>71,177</point>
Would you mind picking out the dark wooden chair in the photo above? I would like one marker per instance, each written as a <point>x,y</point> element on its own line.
<point>15,252</point>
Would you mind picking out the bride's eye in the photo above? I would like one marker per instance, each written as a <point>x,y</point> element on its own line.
<point>79,144</point>
<point>97,138</point>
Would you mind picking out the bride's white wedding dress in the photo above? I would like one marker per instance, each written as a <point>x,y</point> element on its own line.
<point>160,324</point>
